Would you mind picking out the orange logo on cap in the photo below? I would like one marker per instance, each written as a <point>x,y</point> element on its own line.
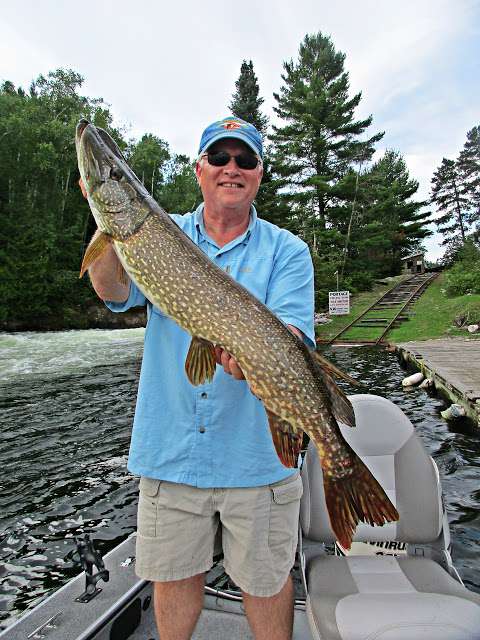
<point>232,124</point>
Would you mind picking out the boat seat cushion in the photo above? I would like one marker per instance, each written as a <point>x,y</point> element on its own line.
<point>385,440</point>
<point>406,598</point>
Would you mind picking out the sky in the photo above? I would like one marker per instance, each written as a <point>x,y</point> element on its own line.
<point>169,68</point>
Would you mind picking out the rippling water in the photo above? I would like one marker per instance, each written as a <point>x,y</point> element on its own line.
<point>67,402</point>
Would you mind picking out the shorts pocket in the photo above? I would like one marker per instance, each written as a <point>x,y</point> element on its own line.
<point>285,493</point>
<point>283,526</point>
<point>147,514</point>
<point>149,486</point>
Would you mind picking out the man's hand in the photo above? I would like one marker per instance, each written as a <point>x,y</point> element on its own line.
<point>230,365</point>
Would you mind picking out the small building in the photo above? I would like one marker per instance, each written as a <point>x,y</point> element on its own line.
<point>414,263</point>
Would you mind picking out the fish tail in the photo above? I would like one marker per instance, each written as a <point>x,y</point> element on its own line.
<point>354,498</point>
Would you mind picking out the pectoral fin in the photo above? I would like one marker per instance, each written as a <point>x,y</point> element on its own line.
<point>286,439</point>
<point>94,251</point>
<point>200,363</point>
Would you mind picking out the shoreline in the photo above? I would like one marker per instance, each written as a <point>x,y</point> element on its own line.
<point>93,317</point>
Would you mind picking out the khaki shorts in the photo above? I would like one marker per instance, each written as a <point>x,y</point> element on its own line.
<point>177,525</point>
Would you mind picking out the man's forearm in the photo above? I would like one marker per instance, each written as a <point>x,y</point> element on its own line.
<point>104,275</point>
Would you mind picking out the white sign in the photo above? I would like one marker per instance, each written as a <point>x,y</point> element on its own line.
<point>339,303</point>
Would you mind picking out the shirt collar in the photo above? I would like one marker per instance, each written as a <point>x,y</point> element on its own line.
<point>243,238</point>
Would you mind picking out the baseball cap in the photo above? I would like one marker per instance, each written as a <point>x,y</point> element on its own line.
<point>232,128</point>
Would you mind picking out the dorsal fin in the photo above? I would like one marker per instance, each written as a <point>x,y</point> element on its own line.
<point>333,370</point>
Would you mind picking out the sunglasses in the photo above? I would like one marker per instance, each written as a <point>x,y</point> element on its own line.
<point>244,160</point>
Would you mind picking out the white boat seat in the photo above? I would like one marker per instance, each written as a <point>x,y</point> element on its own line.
<point>367,597</point>
<point>394,598</point>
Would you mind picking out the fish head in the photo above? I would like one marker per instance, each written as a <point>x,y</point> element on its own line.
<point>116,196</point>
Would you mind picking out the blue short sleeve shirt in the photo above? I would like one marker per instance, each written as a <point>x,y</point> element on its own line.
<point>216,434</point>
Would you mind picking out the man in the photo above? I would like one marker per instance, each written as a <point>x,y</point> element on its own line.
<point>205,454</point>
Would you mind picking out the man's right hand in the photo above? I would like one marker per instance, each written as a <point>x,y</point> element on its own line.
<point>104,271</point>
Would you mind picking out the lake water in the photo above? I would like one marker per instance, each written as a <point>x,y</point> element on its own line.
<point>67,401</point>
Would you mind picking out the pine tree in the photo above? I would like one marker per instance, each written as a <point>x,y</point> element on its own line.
<point>319,143</point>
<point>317,150</point>
<point>246,102</point>
<point>468,164</point>
<point>455,206</point>
<point>391,223</point>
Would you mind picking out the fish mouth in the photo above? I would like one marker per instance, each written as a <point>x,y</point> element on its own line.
<point>99,155</point>
<point>98,136</point>
<point>81,126</point>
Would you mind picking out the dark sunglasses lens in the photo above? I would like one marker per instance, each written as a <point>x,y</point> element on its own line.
<point>243,160</point>
<point>246,161</point>
<point>219,159</point>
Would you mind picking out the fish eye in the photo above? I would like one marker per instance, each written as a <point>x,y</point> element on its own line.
<point>115,173</point>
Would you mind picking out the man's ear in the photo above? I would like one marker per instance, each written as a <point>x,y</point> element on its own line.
<point>198,170</point>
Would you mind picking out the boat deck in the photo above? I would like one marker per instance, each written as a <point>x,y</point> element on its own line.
<point>123,609</point>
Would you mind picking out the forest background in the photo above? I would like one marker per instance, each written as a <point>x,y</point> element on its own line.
<point>359,217</point>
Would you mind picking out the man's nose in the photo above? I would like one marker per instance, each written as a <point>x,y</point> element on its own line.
<point>231,166</point>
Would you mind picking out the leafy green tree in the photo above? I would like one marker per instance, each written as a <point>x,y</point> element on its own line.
<point>453,203</point>
<point>42,212</point>
<point>148,158</point>
<point>464,276</point>
<point>180,191</point>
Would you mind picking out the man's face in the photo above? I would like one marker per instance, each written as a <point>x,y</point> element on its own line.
<point>228,187</point>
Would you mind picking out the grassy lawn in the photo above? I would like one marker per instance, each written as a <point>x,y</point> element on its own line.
<point>433,315</point>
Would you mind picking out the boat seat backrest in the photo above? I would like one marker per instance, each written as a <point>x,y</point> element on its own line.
<point>386,441</point>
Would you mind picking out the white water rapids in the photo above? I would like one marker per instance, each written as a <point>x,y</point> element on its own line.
<point>66,352</point>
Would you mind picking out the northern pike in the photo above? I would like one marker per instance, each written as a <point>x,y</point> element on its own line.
<point>294,383</point>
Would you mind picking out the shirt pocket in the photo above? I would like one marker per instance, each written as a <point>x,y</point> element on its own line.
<point>253,272</point>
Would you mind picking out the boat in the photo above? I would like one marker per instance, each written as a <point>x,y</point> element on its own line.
<point>398,582</point>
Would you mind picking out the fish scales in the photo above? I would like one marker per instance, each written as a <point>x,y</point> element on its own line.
<point>294,385</point>
<point>208,303</point>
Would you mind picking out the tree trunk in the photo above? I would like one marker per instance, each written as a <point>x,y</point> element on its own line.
<point>459,213</point>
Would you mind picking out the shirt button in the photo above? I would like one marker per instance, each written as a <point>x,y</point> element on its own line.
<point>202,429</point>
<point>204,395</point>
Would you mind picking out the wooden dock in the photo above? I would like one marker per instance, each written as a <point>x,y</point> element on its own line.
<point>454,365</point>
